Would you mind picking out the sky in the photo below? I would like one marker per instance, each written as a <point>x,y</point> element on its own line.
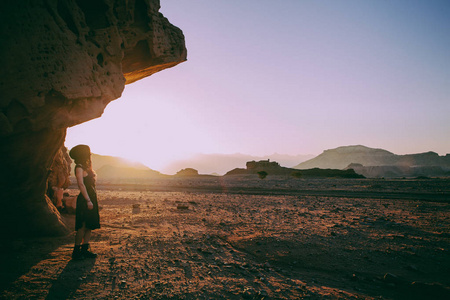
<point>290,77</point>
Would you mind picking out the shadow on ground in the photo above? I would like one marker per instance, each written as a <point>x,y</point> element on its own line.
<point>70,279</point>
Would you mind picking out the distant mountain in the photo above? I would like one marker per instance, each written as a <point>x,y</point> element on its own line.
<point>114,172</point>
<point>341,157</point>
<point>222,163</point>
<point>364,159</point>
<point>98,161</point>
<point>111,167</point>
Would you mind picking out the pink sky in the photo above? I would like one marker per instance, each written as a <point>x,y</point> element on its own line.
<point>293,77</point>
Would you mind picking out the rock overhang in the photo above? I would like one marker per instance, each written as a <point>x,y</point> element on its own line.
<point>62,62</point>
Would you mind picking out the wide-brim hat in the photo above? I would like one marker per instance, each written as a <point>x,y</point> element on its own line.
<point>80,151</point>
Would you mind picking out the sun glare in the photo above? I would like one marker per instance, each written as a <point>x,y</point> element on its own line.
<point>151,131</point>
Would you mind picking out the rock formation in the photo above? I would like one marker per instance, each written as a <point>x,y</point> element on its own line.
<point>62,63</point>
<point>187,172</point>
<point>58,179</point>
<point>262,165</point>
<point>266,167</point>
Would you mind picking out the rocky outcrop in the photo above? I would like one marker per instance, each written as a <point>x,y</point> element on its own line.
<point>59,177</point>
<point>265,167</point>
<point>187,172</point>
<point>262,165</point>
<point>62,63</point>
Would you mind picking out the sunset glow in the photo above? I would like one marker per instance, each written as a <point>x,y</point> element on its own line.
<point>297,77</point>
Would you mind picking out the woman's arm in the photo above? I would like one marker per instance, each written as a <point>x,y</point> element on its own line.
<point>79,174</point>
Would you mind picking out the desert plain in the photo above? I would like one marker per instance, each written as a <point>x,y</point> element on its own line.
<point>240,237</point>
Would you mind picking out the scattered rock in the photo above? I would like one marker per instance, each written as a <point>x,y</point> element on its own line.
<point>248,293</point>
<point>182,207</point>
<point>122,284</point>
<point>136,209</point>
<point>112,260</point>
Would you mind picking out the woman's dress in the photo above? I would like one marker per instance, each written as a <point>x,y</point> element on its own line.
<point>83,215</point>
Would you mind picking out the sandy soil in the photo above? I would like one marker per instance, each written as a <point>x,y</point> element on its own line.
<point>245,238</point>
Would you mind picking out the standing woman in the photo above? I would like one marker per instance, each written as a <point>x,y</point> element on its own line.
<point>86,217</point>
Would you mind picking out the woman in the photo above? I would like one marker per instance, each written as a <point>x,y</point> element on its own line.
<point>86,217</point>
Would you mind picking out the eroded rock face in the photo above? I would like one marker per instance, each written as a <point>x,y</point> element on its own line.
<point>62,63</point>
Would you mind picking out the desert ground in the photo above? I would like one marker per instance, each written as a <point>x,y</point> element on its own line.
<point>247,238</point>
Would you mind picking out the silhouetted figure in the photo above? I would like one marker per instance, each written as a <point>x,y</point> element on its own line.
<point>86,216</point>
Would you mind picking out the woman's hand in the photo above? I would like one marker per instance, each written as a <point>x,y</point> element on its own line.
<point>90,205</point>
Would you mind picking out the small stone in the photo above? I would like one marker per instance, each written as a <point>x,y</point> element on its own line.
<point>248,293</point>
<point>182,207</point>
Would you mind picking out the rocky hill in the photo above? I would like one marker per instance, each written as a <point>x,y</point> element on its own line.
<point>98,161</point>
<point>108,172</point>
<point>372,162</point>
<point>111,167</point>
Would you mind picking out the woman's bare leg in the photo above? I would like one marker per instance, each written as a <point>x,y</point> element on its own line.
<point>79,235</point>
<point>87,236</point>
<point>77,254</point>
<point>85,246</point>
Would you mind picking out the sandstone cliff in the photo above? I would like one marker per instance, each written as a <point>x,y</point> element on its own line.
<point>62,63</point>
